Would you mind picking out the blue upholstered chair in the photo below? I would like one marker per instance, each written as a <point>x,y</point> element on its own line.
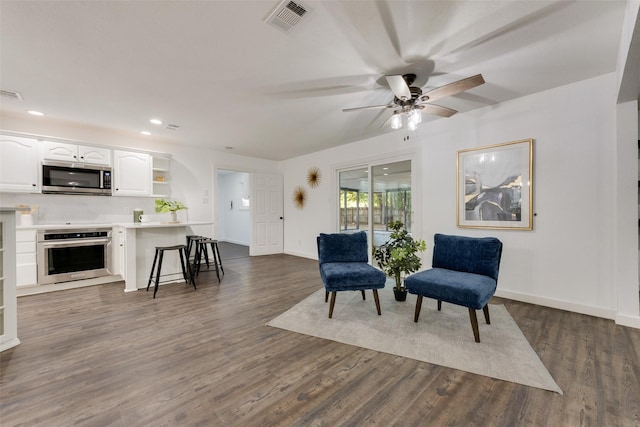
<point>343,260</point>
<point>464,272</point>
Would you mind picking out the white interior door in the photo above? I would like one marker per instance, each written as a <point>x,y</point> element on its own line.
<point>267,209</point>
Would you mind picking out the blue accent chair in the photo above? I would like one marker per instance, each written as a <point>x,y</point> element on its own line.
<point>343,261</point>
<point>464,272</point>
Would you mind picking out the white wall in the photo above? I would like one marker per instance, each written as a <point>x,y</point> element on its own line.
<point>626,214</point>
<point>318,215</point>
<point>571,258</point>
<point>567,261</point>
<point>192,175</point>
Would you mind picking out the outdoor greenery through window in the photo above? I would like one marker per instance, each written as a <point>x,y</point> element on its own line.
<point>390,199</point>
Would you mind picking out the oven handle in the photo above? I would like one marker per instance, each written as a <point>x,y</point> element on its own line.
<point>66,243</point>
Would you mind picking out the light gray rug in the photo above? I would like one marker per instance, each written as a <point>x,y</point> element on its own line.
<point>443,338</point>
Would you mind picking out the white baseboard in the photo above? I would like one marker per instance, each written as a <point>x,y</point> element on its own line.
<point>302,255</point>
<point>9,344</point>
<point>41,289</point>
<point>237,242</point>
<point>630,321</point>
<point>559,304</point>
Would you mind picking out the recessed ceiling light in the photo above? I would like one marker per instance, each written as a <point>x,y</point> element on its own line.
<point>156,121</point>
<point>35,113</point>
<point>144,132</point>
<point>385,169</point>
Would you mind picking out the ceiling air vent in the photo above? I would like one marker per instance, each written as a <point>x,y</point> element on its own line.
<point>287,15</point>
<point>171,126</point>
<point>11,94</point>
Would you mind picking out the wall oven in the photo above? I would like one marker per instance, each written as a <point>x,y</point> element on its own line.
<point>75,178</point>
<point>66,255</point>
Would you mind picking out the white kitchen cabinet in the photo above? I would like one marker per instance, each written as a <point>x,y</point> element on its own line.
<point>75,153</point>
<point>19,164</point>
<point>119,251</point>
<point>26,264</point>
<point>95,155</point>
<point>161,178</point>
<point>8,302</point>
<point>131,173</point>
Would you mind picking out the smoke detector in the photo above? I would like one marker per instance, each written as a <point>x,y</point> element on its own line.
<point>287,15</point>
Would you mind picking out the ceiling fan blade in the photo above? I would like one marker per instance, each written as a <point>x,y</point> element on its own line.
<point>399,87</point>
<point>371,107</point>
<point>437,110</point>
<point>453,88</point>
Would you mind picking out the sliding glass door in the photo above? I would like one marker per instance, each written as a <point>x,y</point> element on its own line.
<point>354,200</point>
<point>371,196</point>
<point>391,195</point>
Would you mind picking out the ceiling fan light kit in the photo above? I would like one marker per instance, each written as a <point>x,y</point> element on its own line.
<point>411,118</point>
<point>412,101</point>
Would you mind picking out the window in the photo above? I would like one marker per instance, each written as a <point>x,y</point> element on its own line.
<point>362,209</point>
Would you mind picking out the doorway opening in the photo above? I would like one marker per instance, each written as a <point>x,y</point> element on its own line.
<point>233,215</point>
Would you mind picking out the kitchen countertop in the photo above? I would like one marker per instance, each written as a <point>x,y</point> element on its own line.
<point>76,225</point>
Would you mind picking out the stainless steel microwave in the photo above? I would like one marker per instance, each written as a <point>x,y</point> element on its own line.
<point>75,178</point>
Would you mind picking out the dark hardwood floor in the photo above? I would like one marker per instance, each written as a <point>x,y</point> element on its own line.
<point>97,356</point>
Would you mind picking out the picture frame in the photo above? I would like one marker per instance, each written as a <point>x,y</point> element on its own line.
<point>495,186</point>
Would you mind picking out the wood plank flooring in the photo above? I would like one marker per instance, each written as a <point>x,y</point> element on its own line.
<point>97,356</point>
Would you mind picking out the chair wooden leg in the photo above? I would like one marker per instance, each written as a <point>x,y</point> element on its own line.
<point>363,297</point>
<point>474,324</point>
<point>418,307</point>
<point>332,303</point>
<point>439,305</point>
<point>485,309</point>
<point>326,296</point>
<point>377,300</point>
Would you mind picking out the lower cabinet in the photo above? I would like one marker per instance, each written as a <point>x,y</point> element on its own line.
<point>26,261</point>
<point>119,254</point>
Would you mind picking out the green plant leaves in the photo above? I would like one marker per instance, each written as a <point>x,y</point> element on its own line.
<point>400,253</point>
<point>163,205</point>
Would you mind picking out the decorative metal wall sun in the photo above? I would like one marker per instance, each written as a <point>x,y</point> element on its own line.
<point>299,197</point>
<point>313,177</point>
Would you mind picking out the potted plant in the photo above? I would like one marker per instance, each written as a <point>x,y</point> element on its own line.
<point>172,207</point>
<point>399,255</point>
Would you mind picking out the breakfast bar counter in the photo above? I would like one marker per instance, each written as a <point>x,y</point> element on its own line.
<point>135,245</point>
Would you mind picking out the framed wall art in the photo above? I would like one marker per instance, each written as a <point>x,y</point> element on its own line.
<point>495,186</point>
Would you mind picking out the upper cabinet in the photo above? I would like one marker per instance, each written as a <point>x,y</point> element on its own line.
<point>160,169</point>
<point>95,155</point>
<point>131,173</point>
<point>75,153</point>
<point>134,173</point>
<point>19,164</point>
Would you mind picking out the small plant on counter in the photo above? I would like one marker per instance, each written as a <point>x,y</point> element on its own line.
<point>164,206</point>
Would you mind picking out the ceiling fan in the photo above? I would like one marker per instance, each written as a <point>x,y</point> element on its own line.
<point>409,101</point>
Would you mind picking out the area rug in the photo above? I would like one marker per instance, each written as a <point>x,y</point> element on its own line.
<point>443,338</point>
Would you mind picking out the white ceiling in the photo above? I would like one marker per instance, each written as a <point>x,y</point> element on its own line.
<point>230,80</point>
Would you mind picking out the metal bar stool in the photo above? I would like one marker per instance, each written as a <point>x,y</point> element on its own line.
<point>201,250</point>
<point>190,239</point>
<point>191,246</point>
<point>184,263</point>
